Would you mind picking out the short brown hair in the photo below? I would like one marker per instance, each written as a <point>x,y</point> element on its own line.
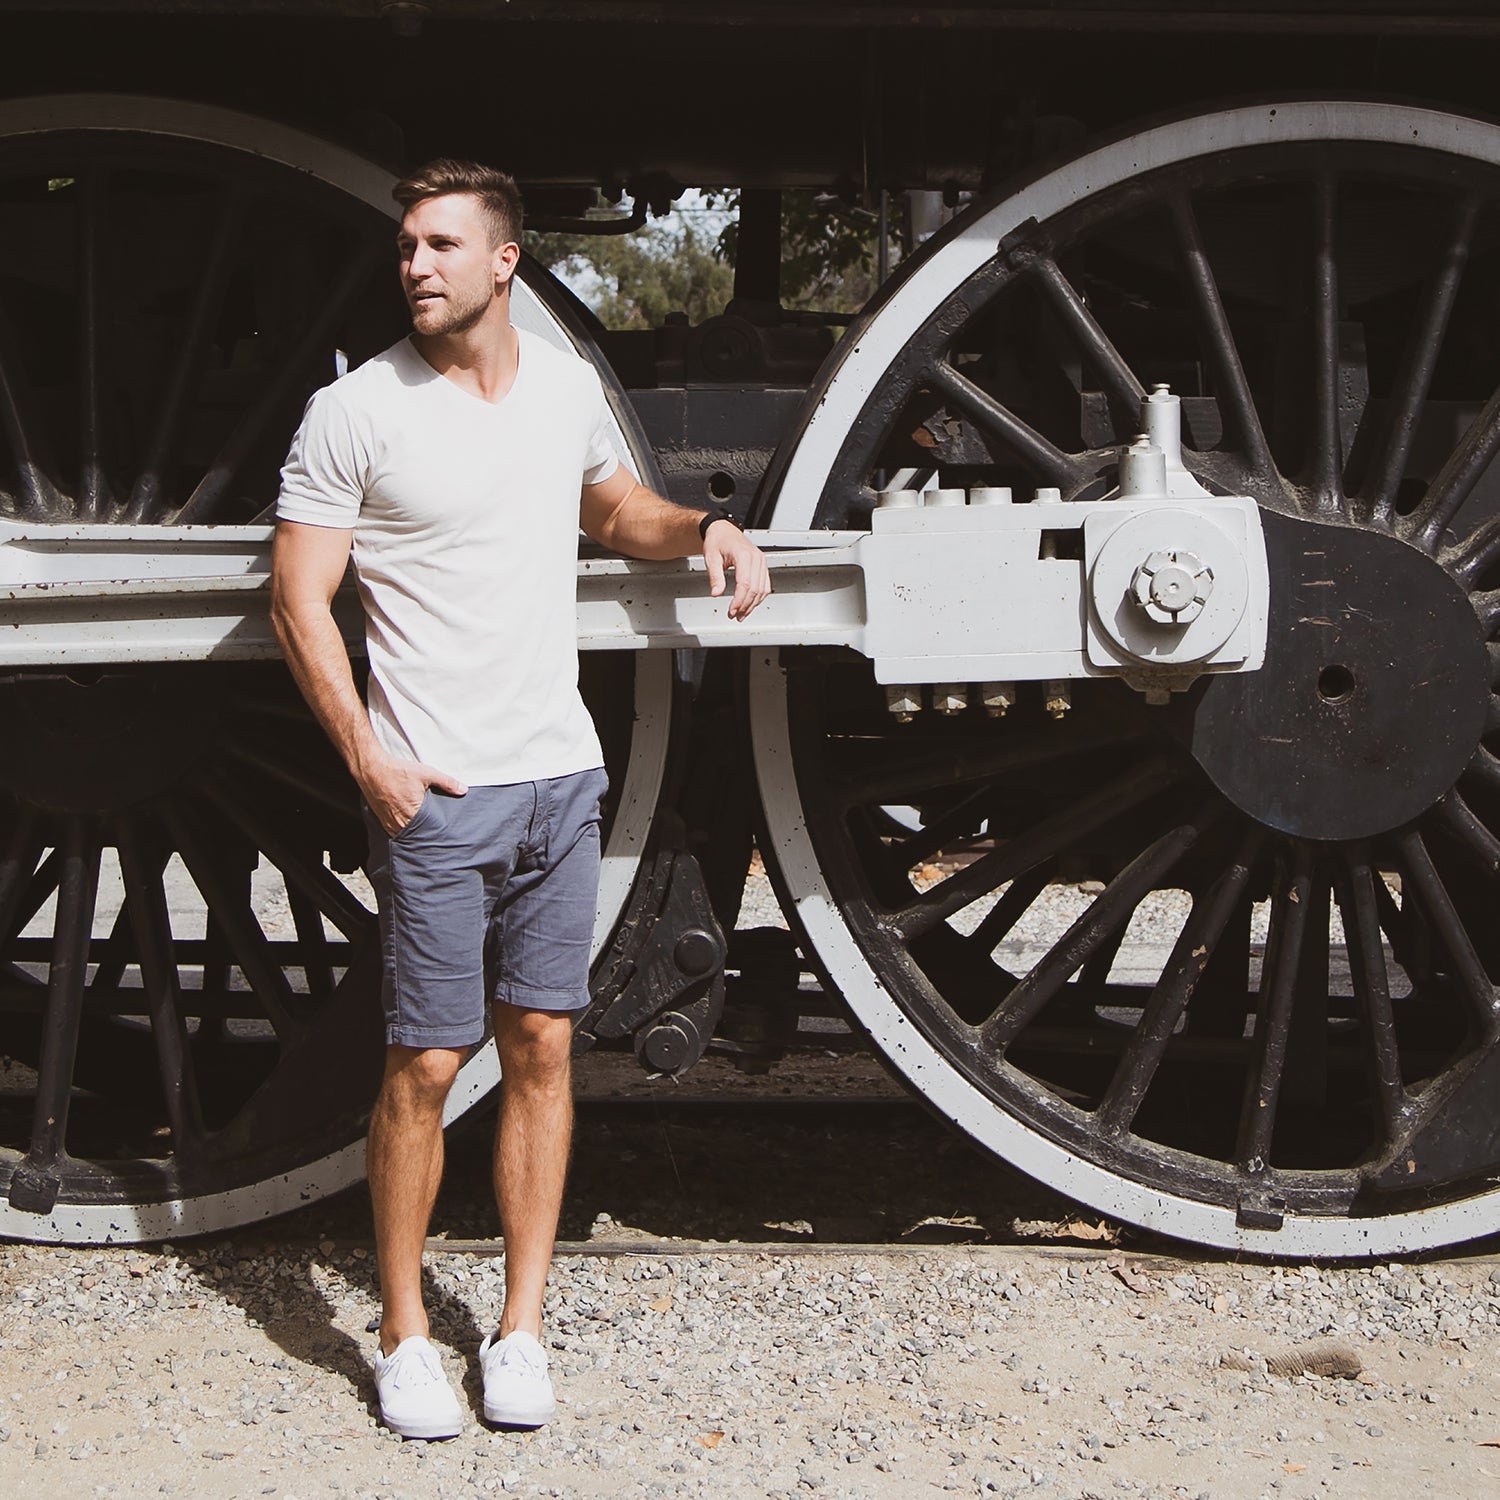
<point>499,197</point>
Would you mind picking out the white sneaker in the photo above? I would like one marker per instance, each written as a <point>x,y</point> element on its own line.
<point>415,1397</point>
<point>517,1390</point>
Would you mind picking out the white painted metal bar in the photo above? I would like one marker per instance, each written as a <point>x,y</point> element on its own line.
<point>931,593</point>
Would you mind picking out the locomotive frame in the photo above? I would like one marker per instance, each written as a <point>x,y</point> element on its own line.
<point>1311,274</point>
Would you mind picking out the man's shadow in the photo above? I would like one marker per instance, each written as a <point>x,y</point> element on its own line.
<point>298,1317</point>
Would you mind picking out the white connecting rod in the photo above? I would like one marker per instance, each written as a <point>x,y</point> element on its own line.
<point>935,592</point>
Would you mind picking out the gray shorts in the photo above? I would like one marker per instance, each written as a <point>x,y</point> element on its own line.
<point>488,897</point>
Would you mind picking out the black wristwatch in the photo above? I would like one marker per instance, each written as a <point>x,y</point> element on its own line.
<point>718,513</point>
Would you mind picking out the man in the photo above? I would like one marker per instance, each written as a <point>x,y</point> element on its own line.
<point>458,466</point>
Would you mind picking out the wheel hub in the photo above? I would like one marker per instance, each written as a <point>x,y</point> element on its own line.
<point>1373,695</point>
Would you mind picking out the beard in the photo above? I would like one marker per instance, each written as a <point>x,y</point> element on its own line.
<point>455,313</point>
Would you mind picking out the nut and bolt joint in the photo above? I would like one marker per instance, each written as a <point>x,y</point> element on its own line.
<point>905,703</point>
<point>998,698</point>
<point>1172,586</point>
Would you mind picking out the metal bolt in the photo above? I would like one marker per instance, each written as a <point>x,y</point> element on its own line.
<point>696,952</point>
<point>1172,586</point>
<point>1058,698</point>
<point>997,698</point>
<point>904,702</point>
<point>950,697</point>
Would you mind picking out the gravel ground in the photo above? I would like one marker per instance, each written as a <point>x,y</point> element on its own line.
<point>239,1365</point>
<point>236,1368</point>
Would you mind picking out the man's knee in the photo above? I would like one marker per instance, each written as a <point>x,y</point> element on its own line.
<point>419,1077</point>
<point>535,1046</point>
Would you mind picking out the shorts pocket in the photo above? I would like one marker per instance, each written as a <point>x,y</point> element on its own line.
<point>423,812</point>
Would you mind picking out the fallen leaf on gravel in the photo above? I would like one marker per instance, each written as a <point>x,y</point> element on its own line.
<point>662,1304</point>
<point>711,1439</point>
<point>1292,1468</point>
<point>1488,1443</point>
<point>1132,1276</point>
<point>1078,1230</point>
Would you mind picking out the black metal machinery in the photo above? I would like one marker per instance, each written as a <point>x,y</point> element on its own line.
<point>1290,214</point>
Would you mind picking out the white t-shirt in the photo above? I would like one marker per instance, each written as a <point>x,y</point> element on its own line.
<point>465,521</point>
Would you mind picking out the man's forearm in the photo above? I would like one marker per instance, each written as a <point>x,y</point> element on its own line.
<point>646,526</point>
<point>314,651</point>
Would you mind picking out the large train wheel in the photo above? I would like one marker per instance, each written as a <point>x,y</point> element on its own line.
<point>189,1017</point>
<point>1310,1062</point>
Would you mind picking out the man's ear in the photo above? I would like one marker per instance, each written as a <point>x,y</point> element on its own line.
<point>507,257</point>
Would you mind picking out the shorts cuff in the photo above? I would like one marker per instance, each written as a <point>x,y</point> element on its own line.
<point>434,1036</point>
<point>528,997</point>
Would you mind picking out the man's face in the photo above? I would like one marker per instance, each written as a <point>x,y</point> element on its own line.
<point>449,270</point>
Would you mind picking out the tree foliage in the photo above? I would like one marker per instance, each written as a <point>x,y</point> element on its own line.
<point>635,280</point>
<point>684,263</point>
<point>829,253</point>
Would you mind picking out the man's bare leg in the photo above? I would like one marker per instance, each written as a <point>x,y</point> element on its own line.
<point>405,1164</point>
<point>531,1152</point>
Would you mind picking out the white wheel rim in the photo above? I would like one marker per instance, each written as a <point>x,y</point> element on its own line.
<point>876,344</point>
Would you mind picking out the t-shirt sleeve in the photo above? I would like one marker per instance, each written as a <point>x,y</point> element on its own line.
<point>600,459</point>
<point>323,479</point>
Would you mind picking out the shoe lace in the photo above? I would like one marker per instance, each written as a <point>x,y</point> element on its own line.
<point>516,1353</point>
<point>416,1368</point>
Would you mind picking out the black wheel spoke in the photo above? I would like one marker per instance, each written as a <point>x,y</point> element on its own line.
<point>1455,482</point>
<point>1486,604</point>
<point>1191,954</point>
<point>1470,559</point>
<point>1009,909</point>
<point>151,922</point>
<point>1414,381</point>
<point>958,822</point>
<point>1093,342</point>
<point>228,901</point>
<point>1483,770</point>
<point>36,497</point>
<point>1356,893</point>
<point>1328,452</point>
<point>1457,817</point>
<point>1273,1020</point>
<point>1467,970</point>
<point>291,369</point>
<point>1029,849</point>
<point>314,881</point>
<point>150,496</point>
<point>1041,456</point>
<point>859,780</point>
<point>68,971</point>
<point>1108,914</point>
<point>1223,353</point>
<point>312,944</point>
<point>113,957</point>
<point>334,798</point>
<point>18,864</point>
<point>93,487</point>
